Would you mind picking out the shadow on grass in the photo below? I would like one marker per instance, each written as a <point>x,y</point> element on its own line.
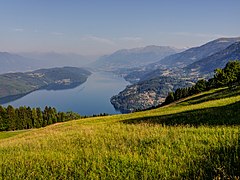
<point>220,163</point>
<point>224,115</point>
<point>223,93</point>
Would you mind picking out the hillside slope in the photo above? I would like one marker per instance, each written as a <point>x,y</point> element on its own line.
<point>217,60</point>
<point>13,63</point>
<point>15,85</point>
<point>146,94</point>
<point>197,53</point>
<point>163,143</point>
<point>130,58</point>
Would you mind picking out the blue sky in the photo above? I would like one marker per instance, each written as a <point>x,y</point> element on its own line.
<point>93,27</point>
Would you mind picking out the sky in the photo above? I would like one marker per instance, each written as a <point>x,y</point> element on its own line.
<point>97,27</point>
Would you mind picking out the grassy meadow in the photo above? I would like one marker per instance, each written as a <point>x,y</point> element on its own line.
<point>195,138</point>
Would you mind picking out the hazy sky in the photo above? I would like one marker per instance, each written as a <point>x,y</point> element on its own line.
<point>102,26</point>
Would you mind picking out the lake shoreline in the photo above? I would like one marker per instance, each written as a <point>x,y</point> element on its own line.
<point>91,97</point>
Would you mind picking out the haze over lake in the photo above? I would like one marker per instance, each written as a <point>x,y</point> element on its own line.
<point>92,97</point>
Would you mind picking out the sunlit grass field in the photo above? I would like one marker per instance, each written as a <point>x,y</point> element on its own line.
<point>196,138</point>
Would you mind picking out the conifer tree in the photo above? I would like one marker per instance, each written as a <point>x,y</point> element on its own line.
<point>11,118</point>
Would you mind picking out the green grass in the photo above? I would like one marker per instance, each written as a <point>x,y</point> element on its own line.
<point>197,138</point>
<point>8,134</point>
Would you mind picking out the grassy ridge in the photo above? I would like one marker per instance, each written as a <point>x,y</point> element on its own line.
<point>165,143</point>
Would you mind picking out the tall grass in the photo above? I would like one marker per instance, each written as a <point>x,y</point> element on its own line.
<point>118,151</point>
<point>110,148</point>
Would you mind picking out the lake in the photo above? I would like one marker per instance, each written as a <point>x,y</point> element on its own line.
<point>92,97</point>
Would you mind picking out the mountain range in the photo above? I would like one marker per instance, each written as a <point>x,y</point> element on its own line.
<point>130,58</point>
<point>191,62</point>
<point>217,60</point>
<point>187,67</point>
<point>53,59</point>
<point>11,62</point>
<point>196,53</point>
<point>156,69</point>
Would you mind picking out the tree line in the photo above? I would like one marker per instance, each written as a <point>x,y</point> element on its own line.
<point>228,76</point>
<point>26,118</point>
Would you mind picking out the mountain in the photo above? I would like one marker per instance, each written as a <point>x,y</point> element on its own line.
<point>15,85</point>
<point>129,58</point>
<point>174,65</point>
<point>53,59</point>
<point>146,94</point>
<point>13,62</point>
<point>217,60</point>
<point>161,78</point>
<point>192,55</point>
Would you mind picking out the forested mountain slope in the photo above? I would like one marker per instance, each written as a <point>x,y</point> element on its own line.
<point>217,60</point>
<point>196,53</point>
<point>18,84</point>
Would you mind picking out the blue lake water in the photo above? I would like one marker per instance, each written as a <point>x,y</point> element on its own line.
<point>92,97</point>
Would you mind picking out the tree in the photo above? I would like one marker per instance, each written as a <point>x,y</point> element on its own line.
<point>220,78</point>
<point>185,92</point>
<point>61,116</point>
<point>211,83</point>
<point>228,75</point>
<point>35,121</point>
<point>200,86</point>
<point>178,94</point>
<point>45,116</point>
<point>50,116</point>
<point>53,115</point>
<point>232,71</point>
<point>26,118</point>
<point>22,124</point>
<point>40,117</point>
<point>29,118</point>
<point>170,98</point>
<point>11,118</point>
<point>3,117</point>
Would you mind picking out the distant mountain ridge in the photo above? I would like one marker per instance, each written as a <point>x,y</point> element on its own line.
<point>130,58</point>
<point>11,62</point>
<point>212,55</point>
<point>217,60</point>
<point>194,54</point>
<point>54,59</point>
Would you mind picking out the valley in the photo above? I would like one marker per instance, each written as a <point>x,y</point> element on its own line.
<point>153,72</point>
<point>120,90</point>
<point>91,97</point>
<point>185,69</point>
